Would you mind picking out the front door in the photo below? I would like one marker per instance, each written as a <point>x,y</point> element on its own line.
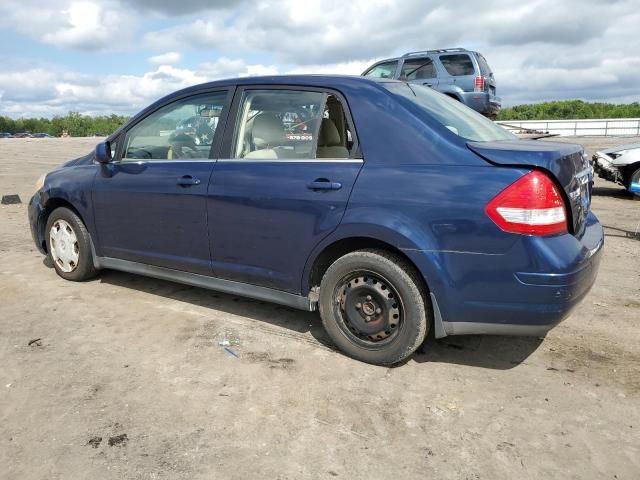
<point>150,202</point>
<point>419,70</point>
<point>283,186</point>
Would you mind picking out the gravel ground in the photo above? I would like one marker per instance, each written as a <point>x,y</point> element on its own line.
<point>123,376</point>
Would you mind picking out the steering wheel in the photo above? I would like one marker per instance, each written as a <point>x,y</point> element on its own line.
<point>178,141</point>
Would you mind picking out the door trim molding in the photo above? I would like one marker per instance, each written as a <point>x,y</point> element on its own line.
<point>211,283</point>
<point>289,160</point>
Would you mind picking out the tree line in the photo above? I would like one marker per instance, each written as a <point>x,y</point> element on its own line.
<point>570,110</point>
<point>74,124</point>
<point>78,125</point>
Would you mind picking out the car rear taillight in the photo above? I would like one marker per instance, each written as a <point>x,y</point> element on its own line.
<point>532,205</point>
<point>478,84</point>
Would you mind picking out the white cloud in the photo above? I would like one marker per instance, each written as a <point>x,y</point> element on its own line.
<point>539,50</point>
<point>90,26</point>
<point>82,25</point>
<point>573,44</point>
<point>40,92</point>
<point>169,58</point>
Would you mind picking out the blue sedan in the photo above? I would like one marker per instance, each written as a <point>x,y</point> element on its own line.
<point>388,207</point>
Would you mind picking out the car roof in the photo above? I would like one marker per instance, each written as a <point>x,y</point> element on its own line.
<point>312,80</point>
<point>425,53</point>
<point>336,82</point>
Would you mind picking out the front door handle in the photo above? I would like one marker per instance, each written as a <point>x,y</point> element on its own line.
<point>188,180</point>
<point>323,184</point>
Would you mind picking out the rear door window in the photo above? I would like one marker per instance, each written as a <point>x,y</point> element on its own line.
<point>457,65</point>
<point>383,70</point>
<point>417,69</point>
<point>277,124</point>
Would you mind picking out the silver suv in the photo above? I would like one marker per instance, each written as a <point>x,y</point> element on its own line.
<point>457,72</point>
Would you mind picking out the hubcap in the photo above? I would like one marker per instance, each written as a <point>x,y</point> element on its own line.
<point>65,250</point>
<point>369,308</point>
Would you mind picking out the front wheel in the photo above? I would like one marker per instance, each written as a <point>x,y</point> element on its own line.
<point>69,245</point>
<point>373,308</point>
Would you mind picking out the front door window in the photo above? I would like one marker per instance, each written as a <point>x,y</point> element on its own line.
<point>182,130</point>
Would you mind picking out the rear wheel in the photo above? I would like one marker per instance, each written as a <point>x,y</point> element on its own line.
<point>372,306</point>
<point>69,245</point>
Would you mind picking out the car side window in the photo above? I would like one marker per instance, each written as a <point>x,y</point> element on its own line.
<point>383,70</point>
<point>417,69</point>
<point>278,124</point>
<point>335,139</point>
<point>458,64</point>
<point>182,130</point>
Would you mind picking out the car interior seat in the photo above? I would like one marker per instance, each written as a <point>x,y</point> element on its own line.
<point>267,138</point>
<point>330,145</point>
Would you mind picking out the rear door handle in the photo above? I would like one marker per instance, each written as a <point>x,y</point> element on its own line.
<point>323,184</point>
<point>188,180</point>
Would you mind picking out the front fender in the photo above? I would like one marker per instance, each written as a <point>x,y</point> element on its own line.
<point>71,185</point>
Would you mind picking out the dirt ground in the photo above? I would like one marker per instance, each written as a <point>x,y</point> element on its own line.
<point>124,377</point>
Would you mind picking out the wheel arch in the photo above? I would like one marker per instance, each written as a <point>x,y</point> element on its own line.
<point>352,237</point>
<point>331,252</point>
<point>48,207</point>
<point>629,170</point>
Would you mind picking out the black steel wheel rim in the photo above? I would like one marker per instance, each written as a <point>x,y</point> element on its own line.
<point>368,309</point>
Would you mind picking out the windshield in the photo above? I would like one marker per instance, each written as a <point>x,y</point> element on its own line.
<point>458,118</point>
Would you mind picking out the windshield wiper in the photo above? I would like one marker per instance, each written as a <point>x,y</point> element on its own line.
<point>406,75</point>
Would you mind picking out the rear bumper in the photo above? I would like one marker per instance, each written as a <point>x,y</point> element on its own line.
<point>482,102</point>
<point>525,291</point>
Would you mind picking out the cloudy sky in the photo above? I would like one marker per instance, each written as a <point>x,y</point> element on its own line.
<point>116,56</point>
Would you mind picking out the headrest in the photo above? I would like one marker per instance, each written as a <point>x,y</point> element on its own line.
<point>267,130</point>
<point>329,136</point>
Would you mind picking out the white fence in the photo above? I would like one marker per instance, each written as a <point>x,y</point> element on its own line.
<point>586,128</point>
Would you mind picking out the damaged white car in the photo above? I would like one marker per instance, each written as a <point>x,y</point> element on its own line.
<point>620,165</point>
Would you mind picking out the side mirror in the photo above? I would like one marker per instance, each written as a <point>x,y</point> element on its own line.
<point>103,152</point>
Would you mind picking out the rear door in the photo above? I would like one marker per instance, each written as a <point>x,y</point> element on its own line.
<point>150,202</point>
<point>419,70</point>
<point>272,198</point>
<point>460,70</point>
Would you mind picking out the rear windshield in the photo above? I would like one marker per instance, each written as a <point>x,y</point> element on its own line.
<point>459,119</point>
<point>457,65</point>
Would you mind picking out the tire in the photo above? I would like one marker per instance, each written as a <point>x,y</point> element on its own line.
<point>373,308</point>
<point>70,253</point>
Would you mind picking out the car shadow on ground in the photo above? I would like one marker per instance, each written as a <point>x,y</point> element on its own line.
<point>298,321</point>
<point>497,352</point>
<point>620,233</point>
<point>615,192</point>
<point>493,352</point>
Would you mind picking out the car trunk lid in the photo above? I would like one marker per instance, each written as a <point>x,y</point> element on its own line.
<point>564,161</point>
